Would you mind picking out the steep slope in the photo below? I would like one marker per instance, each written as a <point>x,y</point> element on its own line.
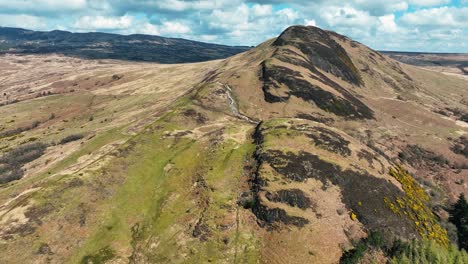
<point>112,46</point>
<point>288,153</point>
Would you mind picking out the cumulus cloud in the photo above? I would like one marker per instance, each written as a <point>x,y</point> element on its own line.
<point>23,21</point>
<point>382,24</point>
<point>42,7</point>
<point>429,2</point>
<point>436,17</point>
<point>388,24</point>
<point>103,23</point>
<point>174,28</point>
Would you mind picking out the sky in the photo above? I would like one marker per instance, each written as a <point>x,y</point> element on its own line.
<point>401,25</point>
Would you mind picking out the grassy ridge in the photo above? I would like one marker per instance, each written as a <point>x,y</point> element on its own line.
<point>171,185</point>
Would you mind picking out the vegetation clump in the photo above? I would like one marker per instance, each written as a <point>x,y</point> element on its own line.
<point>15,131</point>
<point>459,217</point>
<point>102,256</point>
<point>464,117</point>
<point>417,156</point>
<point>71,138</point>
<point>355,255</point>
<point>461,146</point>
<point>403,252</point>
<point>12,162</point>
<point>425,252</point>
<point>412,205</point>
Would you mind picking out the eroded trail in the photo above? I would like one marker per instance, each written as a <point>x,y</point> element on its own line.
<point>234,105</point>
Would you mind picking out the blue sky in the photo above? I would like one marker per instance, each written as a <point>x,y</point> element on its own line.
<point>408,25</point>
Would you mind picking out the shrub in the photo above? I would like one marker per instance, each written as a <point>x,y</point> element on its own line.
<point>459,217</point>
<point>15,131</point>
<point>355,255</point>
<point>12,162</point>
<point>426,252</point>
<point>407,252</point>
<point>464,117</point>
<point>416,155</point>
<point>376,239</point>
<point>461,146</point>
<point>71,138</point>
<point>413,206</point>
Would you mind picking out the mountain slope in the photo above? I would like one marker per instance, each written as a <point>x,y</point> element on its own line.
<point>112,46</point>
<point>287,153</point>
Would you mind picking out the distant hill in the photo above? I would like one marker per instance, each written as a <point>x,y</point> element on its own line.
<point>112,46</point>
<point>445,62</point>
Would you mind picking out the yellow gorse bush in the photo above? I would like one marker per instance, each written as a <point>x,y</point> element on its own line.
<point>413,206</point>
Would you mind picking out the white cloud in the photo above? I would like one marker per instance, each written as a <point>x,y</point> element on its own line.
<point>175,5</point>
<point>232,19</point>
<point>436,17</point>
<point>381,7</point>
<point>42,6</point>
<point>311,22</point>
<point>388,24</point>
<point>103,23</point>
<point>262,10</point>
<point>171,28</point>
<point>429,2</point>
<point>288,14</point>
<point>347,16</point>
<point>23,21</point>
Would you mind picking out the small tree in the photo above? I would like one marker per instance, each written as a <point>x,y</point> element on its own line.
<point>459,217</point>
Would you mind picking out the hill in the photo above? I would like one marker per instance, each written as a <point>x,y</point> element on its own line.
<point>111,46</point>
<point>309,148</point>
<point>443,62</point>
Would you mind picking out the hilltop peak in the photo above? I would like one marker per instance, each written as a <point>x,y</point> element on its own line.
<point>301,34</point>
<point>321,50</point>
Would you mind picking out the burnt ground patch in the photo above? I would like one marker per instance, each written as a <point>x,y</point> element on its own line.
<point>271,216</point>
<point>362,193</point>
<point>330,140</point>
<point>291,197</point>
<point>274,76</point>
<point>266,216</point>
<point>316,118</point>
